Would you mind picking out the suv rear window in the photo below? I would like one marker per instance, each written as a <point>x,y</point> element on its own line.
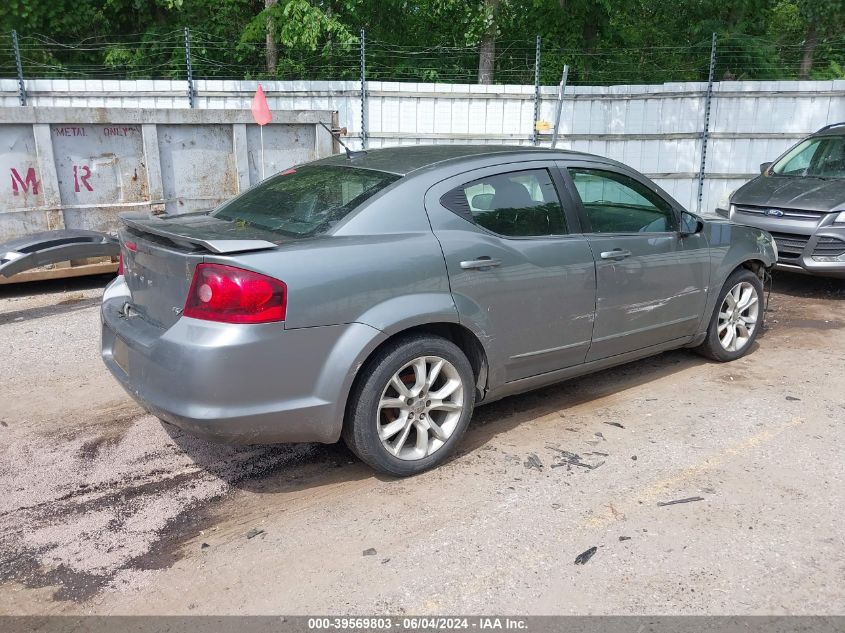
<point>304,201</point>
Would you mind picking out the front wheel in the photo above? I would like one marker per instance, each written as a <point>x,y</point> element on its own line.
<point>410,406</point>
<point>737,319</point>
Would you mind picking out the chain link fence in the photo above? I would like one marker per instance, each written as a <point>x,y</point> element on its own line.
<point>163,55</point>
<point>648,107</point>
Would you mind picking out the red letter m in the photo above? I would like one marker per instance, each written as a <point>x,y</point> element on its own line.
<point>19,183</point>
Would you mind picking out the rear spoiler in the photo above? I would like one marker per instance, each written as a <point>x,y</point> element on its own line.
<point>160,227</point>
<point>51,247</point>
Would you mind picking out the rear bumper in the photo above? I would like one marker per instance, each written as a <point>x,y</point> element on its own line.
<point>241,384</point>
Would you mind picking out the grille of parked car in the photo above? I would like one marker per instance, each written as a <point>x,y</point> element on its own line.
<point>790,245</point>
<point>799,214</point>
<point>829,247</point>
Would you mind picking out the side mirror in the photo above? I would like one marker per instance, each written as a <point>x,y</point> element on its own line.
<point>764,168</point>
<point>690,224</point>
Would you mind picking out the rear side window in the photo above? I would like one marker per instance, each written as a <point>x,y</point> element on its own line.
<point>304,201</point>
<point>514,204</point>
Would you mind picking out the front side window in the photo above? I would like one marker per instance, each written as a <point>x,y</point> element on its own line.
<point>822,157</point>
<point>306,200</point>
<point>515,204</point>
<point>615,203</point>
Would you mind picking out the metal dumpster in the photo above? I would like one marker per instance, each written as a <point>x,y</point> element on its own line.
<point>78,168</point>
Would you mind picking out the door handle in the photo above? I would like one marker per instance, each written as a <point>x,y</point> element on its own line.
<point>482,263</point>
<point>616,253</point>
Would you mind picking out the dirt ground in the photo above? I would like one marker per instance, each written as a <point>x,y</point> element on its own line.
<point>106,510</point>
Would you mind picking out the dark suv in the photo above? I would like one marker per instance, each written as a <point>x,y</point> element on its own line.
<point>800,200</point>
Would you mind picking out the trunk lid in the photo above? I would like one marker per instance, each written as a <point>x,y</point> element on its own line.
<point>160,255</point>
<point>200,229</point>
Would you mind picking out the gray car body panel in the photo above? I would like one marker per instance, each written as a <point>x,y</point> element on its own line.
<point>51,247</point>
<point>391,265</point>
<point>655,295</point>
<point>533,312</point>
<point>792,192</point>
<point>200,229</point>
<point>822,199</point>
<point>398,160</point>
<point>241,384</point>
<point>731,246</point>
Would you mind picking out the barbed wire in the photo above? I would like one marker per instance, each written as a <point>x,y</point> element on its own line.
<point>161,54</point>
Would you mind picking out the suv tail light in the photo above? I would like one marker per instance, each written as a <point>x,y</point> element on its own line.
<point>234,295</point>
<point>120,264</point>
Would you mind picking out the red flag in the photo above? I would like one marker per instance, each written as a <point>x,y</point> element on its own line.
<point>260,110</point>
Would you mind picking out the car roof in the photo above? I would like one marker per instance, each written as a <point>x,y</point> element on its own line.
<point>834,129</point>
<point>405,159</point>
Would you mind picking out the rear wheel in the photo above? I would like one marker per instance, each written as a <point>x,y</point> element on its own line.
<point>738,318</point>
<point>411,406</point>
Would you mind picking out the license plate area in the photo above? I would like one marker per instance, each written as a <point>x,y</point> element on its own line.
<point>120,354</point>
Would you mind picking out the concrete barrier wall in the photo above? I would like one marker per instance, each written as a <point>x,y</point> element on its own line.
<point>654,128</point>
<point>79,167</point>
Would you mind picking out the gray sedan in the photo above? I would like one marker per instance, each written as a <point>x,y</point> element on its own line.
<point>381,297</point>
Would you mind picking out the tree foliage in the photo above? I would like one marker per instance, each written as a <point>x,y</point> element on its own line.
<point>602,41</point>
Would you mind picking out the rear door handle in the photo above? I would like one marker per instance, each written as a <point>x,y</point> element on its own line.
<point>616,253</point>
<point>482,263</point>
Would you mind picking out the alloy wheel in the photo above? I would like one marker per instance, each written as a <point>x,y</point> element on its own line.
<point>420,407</point>
<point>738,316</point>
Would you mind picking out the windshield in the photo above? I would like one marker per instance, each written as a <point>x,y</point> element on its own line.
<point>822,157</point>
<point>304,201</point>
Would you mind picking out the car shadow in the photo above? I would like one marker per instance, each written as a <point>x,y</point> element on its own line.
<point>504,415</point>
<point>285,468</point>
<point>805,303</point>
<point>271,468</point>
<point>63,307</point>
<point>47,286</point>
<point>807,286</point>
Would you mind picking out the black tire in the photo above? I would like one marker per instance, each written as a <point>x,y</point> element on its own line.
<point>712,348</point>
<point>363,416</point>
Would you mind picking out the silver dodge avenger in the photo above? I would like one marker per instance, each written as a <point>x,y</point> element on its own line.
<point>380,297</point>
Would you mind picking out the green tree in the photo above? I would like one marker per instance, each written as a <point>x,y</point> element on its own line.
<point>823,18</point>
<point>603,41</point>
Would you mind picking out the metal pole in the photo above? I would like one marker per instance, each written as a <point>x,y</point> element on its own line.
<point>191,92</point>
<point>535,138</point>
<point>560,91</point>
<point>364,142</point>
<point>261,128</point>
<point>21,88</point>
<point>705,135</point>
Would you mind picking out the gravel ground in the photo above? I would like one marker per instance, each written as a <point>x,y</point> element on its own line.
<point>107,510</point>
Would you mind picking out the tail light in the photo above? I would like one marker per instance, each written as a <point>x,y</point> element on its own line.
<point>234,295</point>
<point>132,246</point>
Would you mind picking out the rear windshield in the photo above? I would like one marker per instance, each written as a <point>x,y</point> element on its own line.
<point>821,157</point>
<point>304,201</point>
